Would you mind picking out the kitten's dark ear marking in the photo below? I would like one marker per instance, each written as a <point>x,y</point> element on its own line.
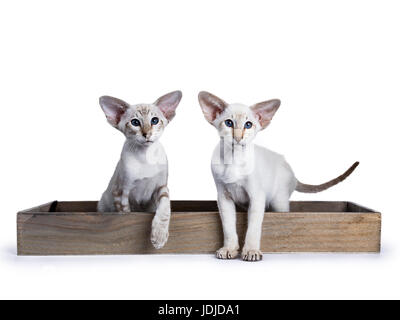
<point>265,111</point>
<point>211,105</point>
<point>168,103</point>
<point>113,108</point>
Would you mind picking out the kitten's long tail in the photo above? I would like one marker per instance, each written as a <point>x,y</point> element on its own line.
<point>309,188</point>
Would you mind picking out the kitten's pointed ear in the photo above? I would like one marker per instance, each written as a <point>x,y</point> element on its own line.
<point>265,111</point>
<point>168,103</point>
<point>211,105</point>
<point>113,108</point>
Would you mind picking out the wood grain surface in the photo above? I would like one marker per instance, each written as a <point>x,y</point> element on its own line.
<point>74,228</point>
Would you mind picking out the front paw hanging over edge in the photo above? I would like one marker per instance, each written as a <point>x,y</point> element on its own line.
<point>159,233</point>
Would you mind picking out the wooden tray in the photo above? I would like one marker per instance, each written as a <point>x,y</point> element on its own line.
<point>74,228</point>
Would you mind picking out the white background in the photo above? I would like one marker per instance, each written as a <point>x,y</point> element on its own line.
<point>334,64</point>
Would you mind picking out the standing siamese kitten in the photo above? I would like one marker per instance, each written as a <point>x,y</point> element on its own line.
<point>139,182</point>
<point>247,175</point>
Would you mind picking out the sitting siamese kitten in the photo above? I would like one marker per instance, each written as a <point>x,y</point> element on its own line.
<point>247,175</point>
<point>139,182</point>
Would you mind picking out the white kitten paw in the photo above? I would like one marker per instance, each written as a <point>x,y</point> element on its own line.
<point>251,255</point>
<point>122,207</point>
<point>159,233</point>
<point>227,253</point>
<point>126,208</point>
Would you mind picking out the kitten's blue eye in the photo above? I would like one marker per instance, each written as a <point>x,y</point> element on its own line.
<point>154,121</point>
<point>135,122</point>
<point>248,125</point>
<point>229,123</point>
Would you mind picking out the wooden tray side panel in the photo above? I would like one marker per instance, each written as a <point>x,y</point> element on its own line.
<point>193,232</point>
<point>88,234</point>
<point>324,232</point>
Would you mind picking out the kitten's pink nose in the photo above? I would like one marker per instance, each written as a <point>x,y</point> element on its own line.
<point>237,135</point>
<point>146,134</point>
<point>146,131</point>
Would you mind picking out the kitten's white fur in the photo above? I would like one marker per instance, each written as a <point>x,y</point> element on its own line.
<point>247,175</point>
<point>139,182</point>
